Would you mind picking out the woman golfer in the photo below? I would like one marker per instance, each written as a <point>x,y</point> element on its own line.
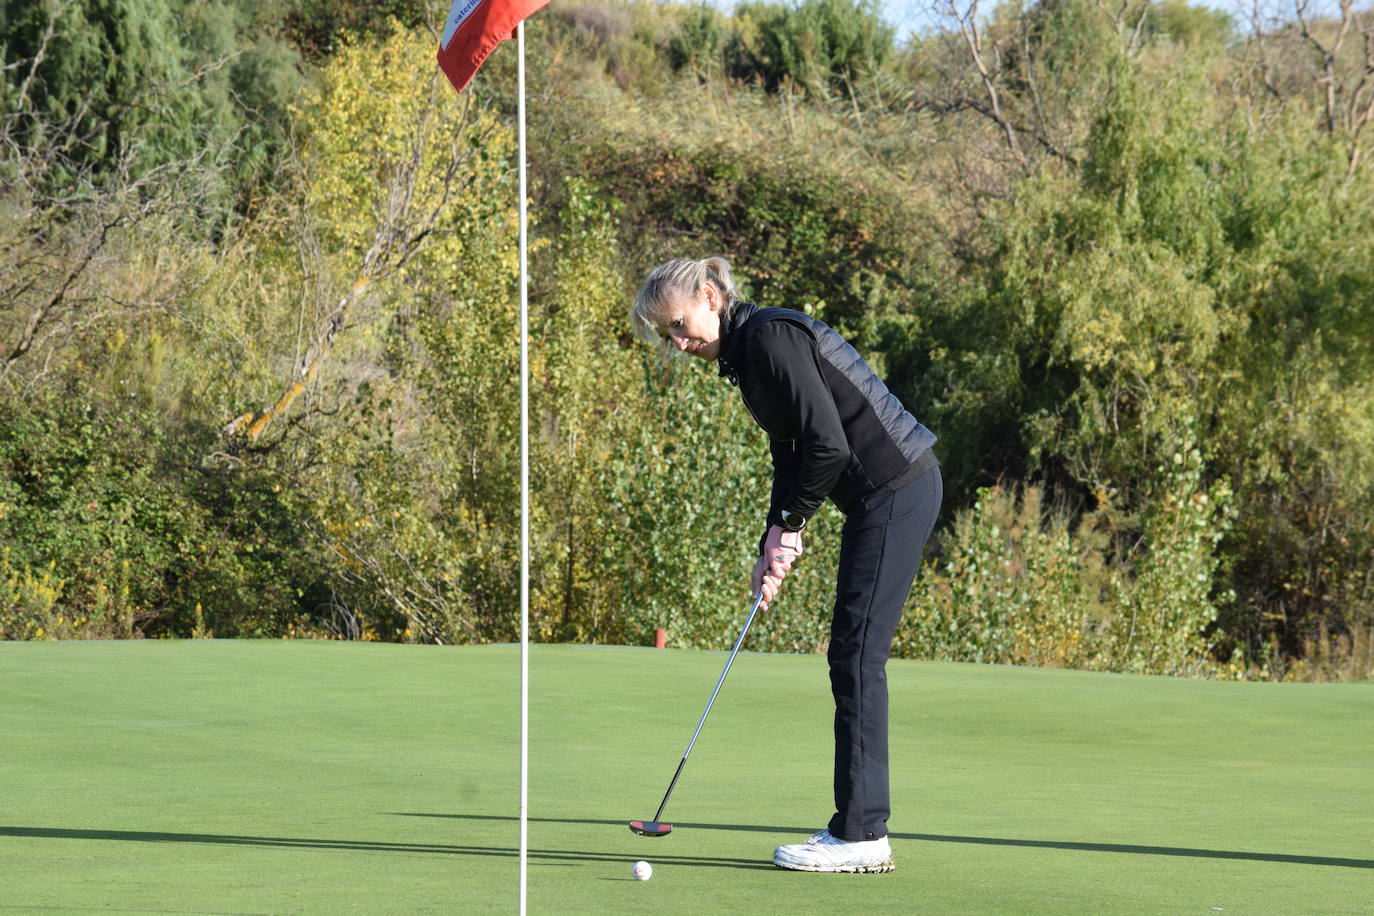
<point>835,431</point>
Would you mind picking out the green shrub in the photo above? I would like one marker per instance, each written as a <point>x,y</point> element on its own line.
<point>1166,593</point>
<point>1018,585</point>
<point>122,89</point>
<point>698,44</point>
<point>318,27</point>
<point>823,46</point>
<point>1014,585</point>
<point>30,601</point>
<point>110,526</point>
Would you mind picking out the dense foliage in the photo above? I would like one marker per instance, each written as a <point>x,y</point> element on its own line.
<point>259,374</point>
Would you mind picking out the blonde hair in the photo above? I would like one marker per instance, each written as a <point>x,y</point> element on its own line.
<point>675,278</point>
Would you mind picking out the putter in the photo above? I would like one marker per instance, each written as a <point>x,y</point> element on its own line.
<point>656,827</point>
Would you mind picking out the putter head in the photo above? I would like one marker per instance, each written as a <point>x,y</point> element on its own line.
<point>650,828</point>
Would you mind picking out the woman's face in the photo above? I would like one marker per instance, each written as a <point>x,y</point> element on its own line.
<point>692,323</point>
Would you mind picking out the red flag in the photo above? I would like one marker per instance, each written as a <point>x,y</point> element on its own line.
<point>473,30</point>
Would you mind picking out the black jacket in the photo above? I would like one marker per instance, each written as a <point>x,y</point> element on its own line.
<point>834,428</point>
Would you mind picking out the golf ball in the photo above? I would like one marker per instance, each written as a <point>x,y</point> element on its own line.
<point>643,871</point>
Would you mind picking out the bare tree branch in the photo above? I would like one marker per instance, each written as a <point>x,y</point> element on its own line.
<point>1360,111</point>
<point>1347,98</point>
<point>1328,53</point>
<point>39,317</point>
<point>967,18</point>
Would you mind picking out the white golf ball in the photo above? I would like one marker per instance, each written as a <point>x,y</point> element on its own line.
<point>642,871</point>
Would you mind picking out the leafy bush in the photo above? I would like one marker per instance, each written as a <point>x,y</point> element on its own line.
<point>319,27</point>
<point>810,238</point>
<point>1017,585</point>
<point>1185,23</point>
<point>1014,585</point>
<point>110,532</point>
<point>823,46</point>
<point>121,89</point>
<point>698,44</point>
<point>31,601</point>
<point>1165,602</point>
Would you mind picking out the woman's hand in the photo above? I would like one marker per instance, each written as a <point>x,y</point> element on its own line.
<point>764,582</point>
<point>780,548</point>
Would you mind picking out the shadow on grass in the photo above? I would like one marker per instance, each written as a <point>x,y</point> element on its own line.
<point>973,840</point>
<point>545,856</point>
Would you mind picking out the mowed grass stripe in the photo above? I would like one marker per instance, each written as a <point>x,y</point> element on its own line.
<point>273,777</point>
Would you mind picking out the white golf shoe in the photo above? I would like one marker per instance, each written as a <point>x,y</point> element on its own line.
<point>825,852</point>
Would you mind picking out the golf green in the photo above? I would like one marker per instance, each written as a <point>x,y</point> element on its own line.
<point>300,777</point>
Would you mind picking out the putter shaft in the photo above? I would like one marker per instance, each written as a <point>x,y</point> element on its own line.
<point>744,631</point>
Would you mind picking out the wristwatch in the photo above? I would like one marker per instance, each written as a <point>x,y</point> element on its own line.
<point>791,521</point>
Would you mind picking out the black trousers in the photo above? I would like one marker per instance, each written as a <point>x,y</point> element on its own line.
<point>880,554</point>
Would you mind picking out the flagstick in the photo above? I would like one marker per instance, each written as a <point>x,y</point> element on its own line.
<point>524,492</point>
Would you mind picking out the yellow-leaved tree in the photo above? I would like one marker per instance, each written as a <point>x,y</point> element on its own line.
<point>399,403</point>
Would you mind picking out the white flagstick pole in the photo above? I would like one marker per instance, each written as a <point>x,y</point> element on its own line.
<point>524,493</point>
